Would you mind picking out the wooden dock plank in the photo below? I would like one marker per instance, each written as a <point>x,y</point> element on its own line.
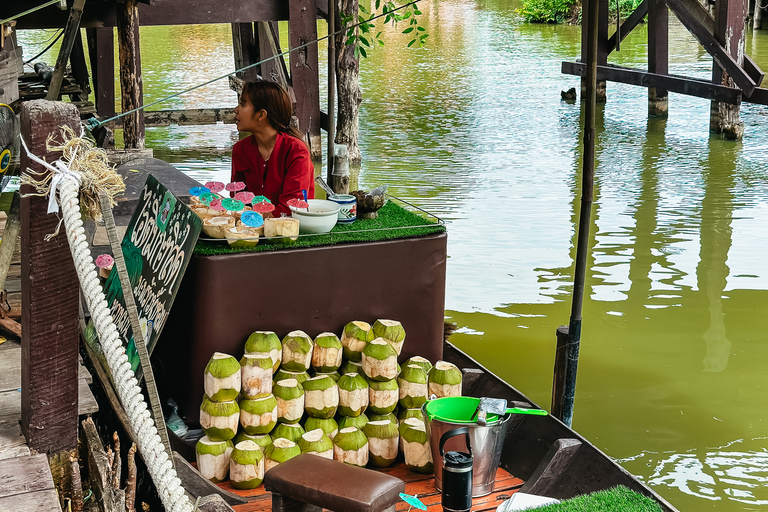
<point>22,475</point>
<point>31,502</point>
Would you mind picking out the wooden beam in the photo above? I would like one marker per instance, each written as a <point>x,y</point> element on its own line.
<point>678,84</point>
<point>753,70</point>
<point>101,48</point>
<point>71,31</point>
<point>629,25</point>
<point>244,46</point>
<point>267,44</point>
<point>198,116</point>
<point>80,68</point>
<point>130,73</point>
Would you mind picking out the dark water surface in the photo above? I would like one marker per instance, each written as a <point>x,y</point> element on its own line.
<point>672,378</point>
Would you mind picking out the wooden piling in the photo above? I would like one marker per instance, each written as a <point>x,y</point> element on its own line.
<point>245,51</point>
<point>658,55</point>
<point>340,175</point>
<point>730,33</point>
<point>49,297</point>
<point>127,15</point>
<point>71,32</point>
<point>602,45</point>
<point>101,48</point>
<point>558,380</point>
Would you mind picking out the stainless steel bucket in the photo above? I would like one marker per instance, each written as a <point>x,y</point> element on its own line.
<point>487,442</point>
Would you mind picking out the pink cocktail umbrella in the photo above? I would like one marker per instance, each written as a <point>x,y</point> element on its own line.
<point>215,186</point>
<point>235,186</point>
<point>245,197</point>
<point>216,205</point>
<point>298,203</point>
<point>263,207</point>
<point>104,261</point>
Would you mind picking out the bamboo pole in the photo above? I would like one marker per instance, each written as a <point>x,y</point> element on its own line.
<point>588,171</point>
<point>331,87</point>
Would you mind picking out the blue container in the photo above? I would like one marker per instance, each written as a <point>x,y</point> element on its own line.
<point>348,203</point>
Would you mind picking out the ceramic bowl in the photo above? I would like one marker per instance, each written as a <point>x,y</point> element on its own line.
<point>320,217</point>
<point>368,205</point>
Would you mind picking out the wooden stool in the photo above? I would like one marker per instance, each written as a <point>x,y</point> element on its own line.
<point>310,483</point>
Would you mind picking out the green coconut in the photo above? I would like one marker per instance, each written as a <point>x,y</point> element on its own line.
<point>404,414</point>
<point>297,351</point>
<point>213,458</point>
<point>317,442</point>
<point>290,400</point>
<point>380,360</point>
<point>283,374</point>
<point>265,343</point>
<point>246,466</point>
<point>263,440</point>
<point>291,431</point>
<point>415,443</point>
<point>444,379</point>
<point>334,375</point>
<point>355,337</point>
<point>383,439</point>
<point>327,425</point>
<point>326,355</point>
<point>279,451</point>
<point>353,421</point>
<point>321,397</point>
<point>258,415</point>
<point>390,417</point>
<point>420,361</point>
<point>413,386</point>
<point>219,419</point>
<point>392,331</point>
<point>382,396</point>
<point>353,394</point>
<point>351,447</point>
<point>222,377</point>
<point>351,367</point>
<point>256,375</point>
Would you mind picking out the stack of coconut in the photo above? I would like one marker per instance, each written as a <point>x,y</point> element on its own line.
<point>346,410</point>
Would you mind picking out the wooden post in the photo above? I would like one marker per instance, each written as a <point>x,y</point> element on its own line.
<point>127,15</point>
<point>558,381</point>
<point>340,176</point>
<point>268,46</point>
<point>49,311</point>
<point>602,45</point>
<point>729,32</point>
<point>757,20</point>
<point>302,23</point>
<point>71,31</point>
<point>244,45</point>
<point>79,68</point>
<point>658,55</point>
<point>101,48</point>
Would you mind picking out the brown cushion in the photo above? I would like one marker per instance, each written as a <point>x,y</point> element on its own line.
<point>333,485</point>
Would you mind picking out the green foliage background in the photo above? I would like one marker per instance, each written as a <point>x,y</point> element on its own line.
<point>558,11</point>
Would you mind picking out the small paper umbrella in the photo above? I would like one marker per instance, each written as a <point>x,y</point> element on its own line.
<point>233,205</point>
<point>198,191</point>
<point>252,219</point>
<point>216,205</point>
<point>215,186</point>
<point>235,186</point>
<point>245,197</point>
<point>260,199</point>
<point>208,197</point>
<point>298,203</point>
<point>264,207</point>
<point>413,501</point>
<point>104,261</point>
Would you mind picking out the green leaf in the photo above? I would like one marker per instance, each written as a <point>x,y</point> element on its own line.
<point>357,52</point>
<point>420,28</point>
<point>362,51</point>
<point>411,43</point>
<point>362,8</point>
<point>365,41</point>
<point>408,30</point>
<point>381,43</point>
<point>417,12</point>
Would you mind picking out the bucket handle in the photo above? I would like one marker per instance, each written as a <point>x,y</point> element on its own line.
<point>452,433</point>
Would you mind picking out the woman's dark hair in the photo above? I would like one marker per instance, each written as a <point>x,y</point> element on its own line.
<point>275,100</point>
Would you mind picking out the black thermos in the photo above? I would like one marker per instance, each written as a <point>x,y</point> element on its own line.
<point>457,474</point>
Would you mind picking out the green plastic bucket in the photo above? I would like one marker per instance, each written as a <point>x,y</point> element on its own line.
<point>456,409</point>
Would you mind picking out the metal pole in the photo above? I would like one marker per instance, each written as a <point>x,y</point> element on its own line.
<point>331,87</point>
<point>588,174</point>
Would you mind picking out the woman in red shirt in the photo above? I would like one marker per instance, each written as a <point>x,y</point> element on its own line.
<point>274,160</point>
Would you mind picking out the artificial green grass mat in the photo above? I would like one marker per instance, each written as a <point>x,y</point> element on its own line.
<point>610,500</point>
<point>393,222</point>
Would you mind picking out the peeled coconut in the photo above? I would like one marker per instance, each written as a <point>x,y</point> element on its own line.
<point>222,377</point>
<point>213,458</point>
<point>384,417</point>
<point>258,415</point>
<point>383,439</point>
<point>219,419</point>
<point>334,375</point>
<point>255,375</point>
<point>382,396</point>
<point>418,456</point>
<point>326,355</point>
<point>444,380</point>
<point>420,361</point>
<point>353,421</point>
<point>290,431</point>
<point>327,425</point>
<point>355,337</point>
<point>351,367</point>
<point>246,466</point>
<point>380,360</point>
<point>290,400</point>
<point>265,343</point>
<point>315,441</point>
<point>263,440</point>
<point>281,229</point>
<point>392,331</point>
<point>413,386</point>
<point>297,351</point>
<point>241,236</point>
<point>353,394</point>
<point>404,414</point>
<point>282,374</point>
<point>279,451</point>
<point>321,397</point>
<point>351,446</point>
<point>217,227</point>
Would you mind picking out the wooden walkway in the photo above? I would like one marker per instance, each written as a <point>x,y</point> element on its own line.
<point>416,484</point>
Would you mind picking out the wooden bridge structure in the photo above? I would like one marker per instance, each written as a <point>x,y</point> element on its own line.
<point>735,76</point>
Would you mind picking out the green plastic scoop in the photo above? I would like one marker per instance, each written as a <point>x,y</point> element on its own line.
<point>466,409</point>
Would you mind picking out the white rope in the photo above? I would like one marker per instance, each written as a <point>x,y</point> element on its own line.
<point>151,447</point>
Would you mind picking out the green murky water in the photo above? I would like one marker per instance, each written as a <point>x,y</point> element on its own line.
<point>672,378</point>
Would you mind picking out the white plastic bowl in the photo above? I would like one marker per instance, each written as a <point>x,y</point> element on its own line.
<point>320,217</point>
